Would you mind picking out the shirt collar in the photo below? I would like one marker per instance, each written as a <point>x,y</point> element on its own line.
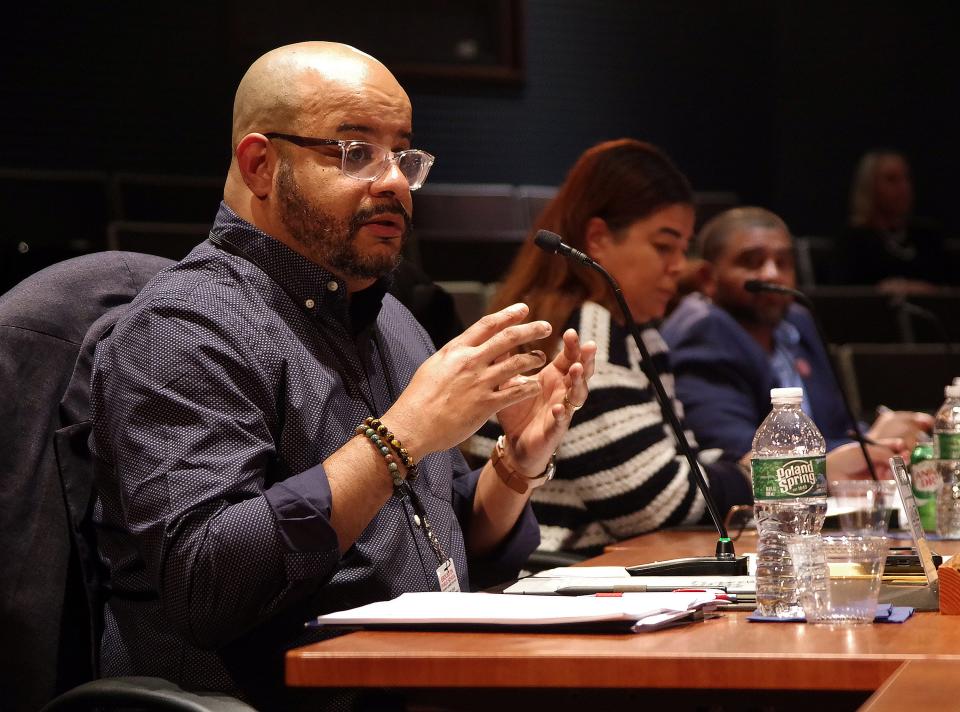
<point>310,285</point>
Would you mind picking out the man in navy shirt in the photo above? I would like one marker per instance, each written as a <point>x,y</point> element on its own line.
<point>729,347</point>
<point>237,496</point>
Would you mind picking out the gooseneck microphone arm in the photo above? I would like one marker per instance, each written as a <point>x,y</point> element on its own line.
<point>725,554</point>
<point>755,286</point>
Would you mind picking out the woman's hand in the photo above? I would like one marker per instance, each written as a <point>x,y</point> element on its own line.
<point>534,427</point>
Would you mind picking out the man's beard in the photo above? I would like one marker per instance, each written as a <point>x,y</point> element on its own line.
<point>766,315</point>
<point>331,242</point>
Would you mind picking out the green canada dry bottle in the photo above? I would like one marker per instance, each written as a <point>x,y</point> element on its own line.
<point>925,483</point>
<point>788,465</point>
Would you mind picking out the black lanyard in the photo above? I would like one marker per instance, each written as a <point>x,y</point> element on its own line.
<point>422,521</point>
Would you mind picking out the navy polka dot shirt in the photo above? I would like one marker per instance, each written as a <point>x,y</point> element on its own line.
<point>215,399</point>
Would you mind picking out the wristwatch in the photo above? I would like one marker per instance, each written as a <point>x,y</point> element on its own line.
<point>521,484</point>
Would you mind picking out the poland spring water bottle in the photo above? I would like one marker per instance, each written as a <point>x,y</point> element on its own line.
<point>946,450</point>
<point>788,464</point>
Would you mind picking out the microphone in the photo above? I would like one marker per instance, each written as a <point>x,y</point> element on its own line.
<point>725,562</point>
<point>756,286</point>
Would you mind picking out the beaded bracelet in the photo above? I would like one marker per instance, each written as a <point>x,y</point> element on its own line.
<point>393,441</point>
<point>392,468</point>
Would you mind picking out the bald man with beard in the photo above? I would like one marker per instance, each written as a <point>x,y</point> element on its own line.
<point>237,496</point>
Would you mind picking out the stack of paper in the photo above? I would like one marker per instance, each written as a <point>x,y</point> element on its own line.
<point>431,610</point>
<point>578,580</point>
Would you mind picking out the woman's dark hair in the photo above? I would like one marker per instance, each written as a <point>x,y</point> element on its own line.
<point>618,181</point>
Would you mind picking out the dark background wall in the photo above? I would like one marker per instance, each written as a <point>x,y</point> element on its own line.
<point>772,99</point>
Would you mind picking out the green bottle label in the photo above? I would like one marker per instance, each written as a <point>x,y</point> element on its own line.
<point>948,445</point>
<point>789,477</point>
<point>925,482</point>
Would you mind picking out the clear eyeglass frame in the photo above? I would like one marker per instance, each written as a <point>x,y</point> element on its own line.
<point>362,160</point>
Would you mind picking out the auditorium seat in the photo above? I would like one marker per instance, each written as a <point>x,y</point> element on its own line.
<point>533,199</point>
<point>816,260</point>
<point>951,246</point>
<point>469,297</point>
<point>713,202</point>
<point>171,240</point>
<point>899,376</point>
<point>933,318</point>
<point>856,314</point>
<point>49,216</point>
<point>467,231</point>
<point>165,198</point>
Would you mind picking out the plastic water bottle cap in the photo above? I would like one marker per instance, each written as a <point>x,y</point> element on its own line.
<point>952,391</point>
<point>786,393</point>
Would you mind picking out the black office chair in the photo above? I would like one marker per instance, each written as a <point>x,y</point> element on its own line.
<point>899,376</point>
<point>856,315</point>
<point>52,603</point>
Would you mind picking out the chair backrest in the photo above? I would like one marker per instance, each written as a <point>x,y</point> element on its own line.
<point>468,231</point>
<point>857,315</point>
<point>932,318</point>
<point>816,260</point>
<point>164,198</point>
<point>533,199</point>
<point>48,216</point>
<point>713,202</point>
<point>899,376</point>
<point>470,298</point>
<point>48,326</point>
<point>171,240</point>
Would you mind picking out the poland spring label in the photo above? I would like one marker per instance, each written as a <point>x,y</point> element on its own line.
<point>948,445</point>
<point>785,478</point>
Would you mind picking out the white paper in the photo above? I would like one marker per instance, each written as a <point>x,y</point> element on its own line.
<point>538,585</point>
<point>584,572</point>
<point>493,608</point>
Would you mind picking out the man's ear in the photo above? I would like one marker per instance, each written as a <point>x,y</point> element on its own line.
<point>697,276</point>
<point>257,161</point>
<point>597,238</point>
<point>706,275</point>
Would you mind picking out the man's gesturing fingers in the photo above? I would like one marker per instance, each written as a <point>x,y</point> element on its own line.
<point>480,331</point>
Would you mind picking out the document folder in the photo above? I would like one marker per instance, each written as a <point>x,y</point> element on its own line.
<point>631,612</point>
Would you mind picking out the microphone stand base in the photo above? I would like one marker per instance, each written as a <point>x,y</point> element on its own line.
<point>693,566</point>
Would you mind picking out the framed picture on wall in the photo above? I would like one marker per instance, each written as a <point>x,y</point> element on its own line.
<point>465,40</point>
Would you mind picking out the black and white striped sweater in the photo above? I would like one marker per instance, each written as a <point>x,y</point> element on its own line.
<point>619,473</point>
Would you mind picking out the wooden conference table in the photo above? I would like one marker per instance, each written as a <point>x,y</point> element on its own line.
<point>713,661</point>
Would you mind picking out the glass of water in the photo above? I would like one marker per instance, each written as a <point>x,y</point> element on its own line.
<point>864,507</point>
<point>855,568</point>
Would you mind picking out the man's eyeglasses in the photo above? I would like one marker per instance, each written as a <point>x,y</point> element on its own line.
<point>362,160</point>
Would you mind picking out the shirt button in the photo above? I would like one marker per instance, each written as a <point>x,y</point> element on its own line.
<point>416,519</point>
<point>310,304</point>
<point>333,286</point>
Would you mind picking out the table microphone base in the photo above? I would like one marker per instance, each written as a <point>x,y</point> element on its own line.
<point>693,566</point>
